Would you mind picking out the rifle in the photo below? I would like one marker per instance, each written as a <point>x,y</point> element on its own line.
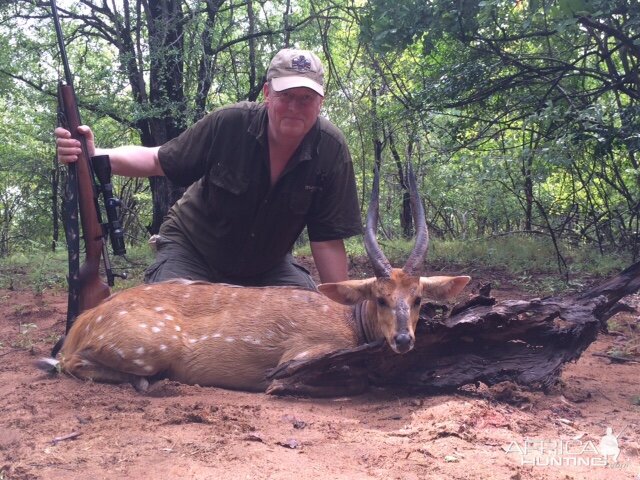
<point>86,285</point>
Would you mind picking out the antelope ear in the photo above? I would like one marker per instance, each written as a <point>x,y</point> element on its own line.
<point>442,288</point>
<point>348,292</point>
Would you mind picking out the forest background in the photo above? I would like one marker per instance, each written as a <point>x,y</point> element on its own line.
<point>521,118</point>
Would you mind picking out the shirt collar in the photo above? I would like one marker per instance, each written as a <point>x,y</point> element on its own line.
<point>258,126</point>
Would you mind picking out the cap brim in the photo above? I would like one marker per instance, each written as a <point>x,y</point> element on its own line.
<point>285,83</point>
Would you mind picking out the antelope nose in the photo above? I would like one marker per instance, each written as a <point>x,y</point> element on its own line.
<point>403,342</point>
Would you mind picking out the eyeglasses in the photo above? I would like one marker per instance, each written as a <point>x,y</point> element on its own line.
<point>304,100</point>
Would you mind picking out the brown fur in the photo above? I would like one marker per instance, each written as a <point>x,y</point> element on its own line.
<point>227,336</point>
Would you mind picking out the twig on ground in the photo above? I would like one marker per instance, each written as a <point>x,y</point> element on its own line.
<point>615,358</point>
<point>71,436</point>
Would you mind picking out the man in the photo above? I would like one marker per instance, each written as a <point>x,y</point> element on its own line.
<point>258,174</point>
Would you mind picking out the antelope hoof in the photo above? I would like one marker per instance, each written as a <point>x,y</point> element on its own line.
<point>276,387</point>
<point>141,384</point>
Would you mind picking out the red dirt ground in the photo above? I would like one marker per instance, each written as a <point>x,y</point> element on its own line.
<point>62,428</point>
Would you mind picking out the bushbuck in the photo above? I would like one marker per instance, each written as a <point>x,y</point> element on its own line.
<point>229,336</point>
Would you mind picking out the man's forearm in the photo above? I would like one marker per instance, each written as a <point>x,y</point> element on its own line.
<point>331,260</point>
<point>133,161</point>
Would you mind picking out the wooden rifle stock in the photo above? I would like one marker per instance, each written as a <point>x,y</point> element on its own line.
<point>92,289</point>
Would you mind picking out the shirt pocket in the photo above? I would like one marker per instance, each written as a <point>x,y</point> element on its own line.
<point>228,180</point>
<point>227,202</point>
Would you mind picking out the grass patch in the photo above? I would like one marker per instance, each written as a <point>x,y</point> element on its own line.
<point>530,260</point>
<point>525,254</point>
<point>133,264</point>
<point>25,339</point>
<point>396,250</point>
<point>35,270</point>
<point>44,270</point>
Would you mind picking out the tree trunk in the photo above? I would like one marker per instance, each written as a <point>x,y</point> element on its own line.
<point>406,220</point>
<point>166,94</point>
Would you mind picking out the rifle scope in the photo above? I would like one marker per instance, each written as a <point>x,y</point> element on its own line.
<point>102,169</point>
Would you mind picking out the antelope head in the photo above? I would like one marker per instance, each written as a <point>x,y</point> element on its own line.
<point>392,298</point>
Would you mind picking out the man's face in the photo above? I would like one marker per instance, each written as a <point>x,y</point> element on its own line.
<point>292,112</point>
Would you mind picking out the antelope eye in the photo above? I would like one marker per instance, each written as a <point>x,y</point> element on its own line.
<point>417,301</point>
<point>381,302</point>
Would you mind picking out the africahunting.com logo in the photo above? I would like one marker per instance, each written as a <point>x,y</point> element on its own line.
<point>573,452</point>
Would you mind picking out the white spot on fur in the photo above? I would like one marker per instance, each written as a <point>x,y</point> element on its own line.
<point>156,329</point>
<point>186,295</point>
<point>161,324</point>
<point>147,288</point>
<point>301,355</point>
<point>143,325</point>
<point>138,362</point>
<point>216,335</point>
<point>120,353</point>
<point>159,309</point>
<point>148,368</point>
<point>140,350</point>
<point>178,328</point>
<point>168,317</point>
<point>325,308</point>
<point>193,340</point>
<point>100,337</point>
<point>253,340</point>
<point>204,337</point>
<point>230,339</point>
<point>163,347</point>
<point>99,318</point>
<point>175,337</point>
<point>122,313</point>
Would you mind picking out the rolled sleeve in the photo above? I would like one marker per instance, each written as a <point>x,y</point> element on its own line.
<point>184,158</point>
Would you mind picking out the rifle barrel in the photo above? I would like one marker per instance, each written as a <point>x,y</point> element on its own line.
<point>63,50</point>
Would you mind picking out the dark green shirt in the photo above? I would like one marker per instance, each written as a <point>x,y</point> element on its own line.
<point>241,225</point>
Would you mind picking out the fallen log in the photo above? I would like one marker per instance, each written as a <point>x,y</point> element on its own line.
<point>523,341</point>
